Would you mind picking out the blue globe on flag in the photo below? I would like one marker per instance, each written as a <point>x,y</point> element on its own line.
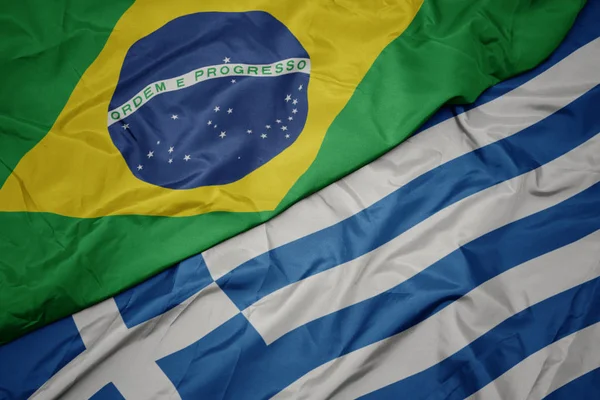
<point>208,98</point>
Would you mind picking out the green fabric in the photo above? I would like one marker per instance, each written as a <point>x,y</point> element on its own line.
<point>45,47</point>
<point>52,266</point>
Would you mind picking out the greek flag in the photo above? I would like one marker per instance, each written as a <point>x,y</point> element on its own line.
<point>465,263</point>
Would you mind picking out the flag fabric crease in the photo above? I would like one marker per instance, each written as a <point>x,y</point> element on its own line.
<point>462,264</point>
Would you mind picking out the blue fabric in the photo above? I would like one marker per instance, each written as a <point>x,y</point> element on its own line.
<point>240,362</point>
<point>28,362</point>
<point>108,392</point>
<point>415,202</point>
<point>255,102</point>
<point>164,291</point>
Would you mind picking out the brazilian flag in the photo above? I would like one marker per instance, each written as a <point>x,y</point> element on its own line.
<point>136,134</point>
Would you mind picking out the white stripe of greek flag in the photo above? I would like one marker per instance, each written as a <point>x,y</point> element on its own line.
<point>549,369</point>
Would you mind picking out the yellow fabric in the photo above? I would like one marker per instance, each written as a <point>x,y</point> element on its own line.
<point>77,171</point>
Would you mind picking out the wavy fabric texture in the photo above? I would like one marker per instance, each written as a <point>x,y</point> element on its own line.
<point>472,274</point>
<point>57,260</point>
